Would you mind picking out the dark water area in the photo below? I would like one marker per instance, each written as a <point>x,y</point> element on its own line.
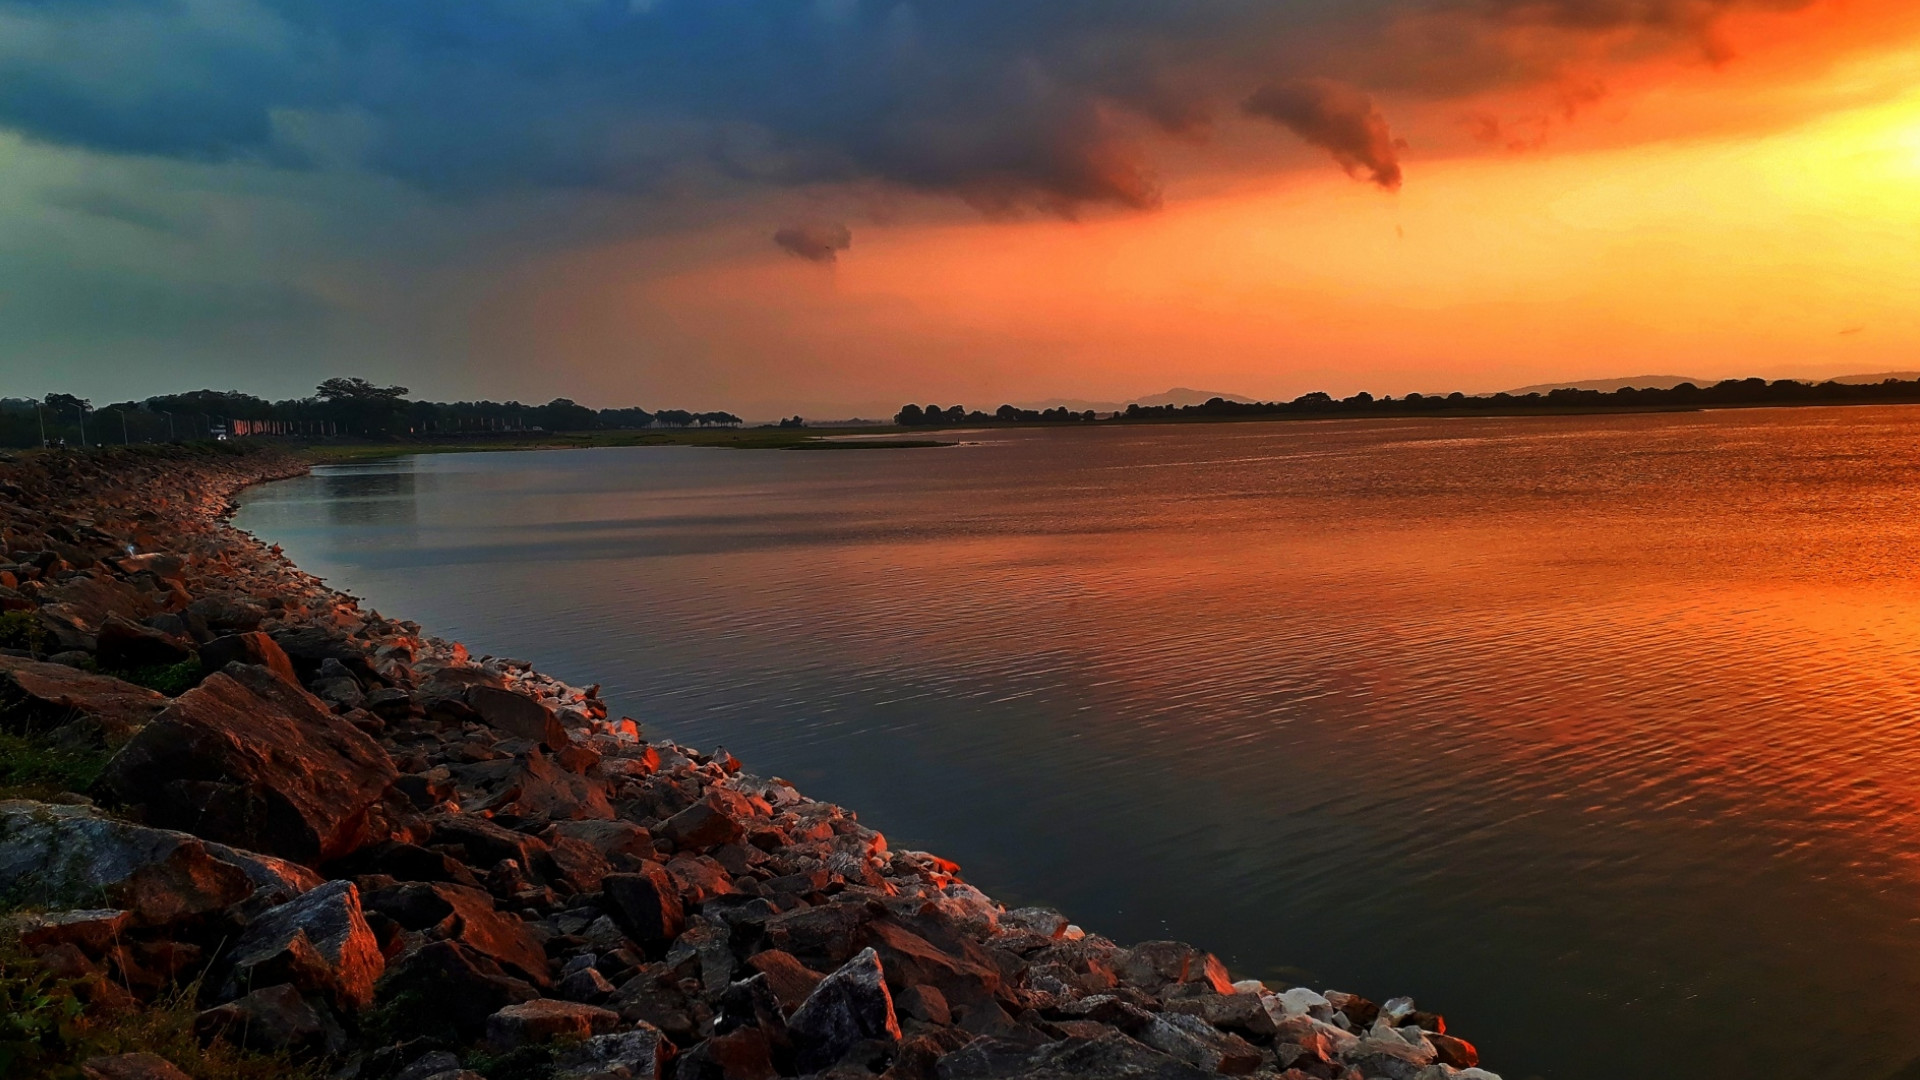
<point>1597,734</point>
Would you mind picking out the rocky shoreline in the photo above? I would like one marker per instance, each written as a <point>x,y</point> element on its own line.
<point>327,843</point>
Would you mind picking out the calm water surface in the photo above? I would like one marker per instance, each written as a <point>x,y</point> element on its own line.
<point>1597,734</point>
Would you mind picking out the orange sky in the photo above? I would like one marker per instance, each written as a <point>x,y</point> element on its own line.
<point>1755,212</point>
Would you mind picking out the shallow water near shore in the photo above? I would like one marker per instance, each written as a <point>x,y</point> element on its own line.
<point>1600,735</point>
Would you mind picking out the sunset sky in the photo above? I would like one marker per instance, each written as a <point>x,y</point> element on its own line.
<point>834,206</point>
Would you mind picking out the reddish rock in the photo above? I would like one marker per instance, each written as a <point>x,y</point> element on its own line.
<point>92,931</point>
<point>517,715</point>
<point>1242,1014</point>
<point>272,1020</point>
<point>131,1067</point>
<point>707,823</point>
<point>126,645</point>
<point>249,648</point>
<point>911,960</point>
<point>1457,1052</point>
<point>319,942</point>
<point>90,599</point>
<point>699,878</point>
<point>823,937</point>
<point>467,916</point>
<point>484,842</point>
<point>545,1020</point>
<point>532,785</point>
<point>64,856</point>
<point>790,980</point>
<point>612,839</point>
<point>577,863</point>
<point>647,903</point>
<point>446,986</point>
<point>251,760</point>
<point>849,1007</point>
<point>745,1054</point>
<point>47,696</point>
<point>1156,965</point>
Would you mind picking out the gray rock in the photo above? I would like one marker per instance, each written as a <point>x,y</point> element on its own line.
<point>319,942</point>
<point>1109,1057</point>
<point>273,1019</point>
<point>1198,1043</point>
<point>648,904</point>
<point>54,856</point>
<point>248,648</point>
<point>430,1064</point>
<point>849,1006</point>
<point>544,1020</point>
<point>1035,920</point>
<point>586,984</point>
<point>641,1052</point>
<point>517,715</point>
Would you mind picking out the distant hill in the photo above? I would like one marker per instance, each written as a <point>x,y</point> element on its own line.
<point>1608,386</point>
<point>1668,382</point>
<point>1178,396</point>
<point>1181,396</point>
<point>1877,377</point>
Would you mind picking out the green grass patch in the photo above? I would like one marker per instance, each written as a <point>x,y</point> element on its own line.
<point>30,769</point>
<point>23,630</point>
<point>47,1029</point>
<point>522,1063</point>
<point>169,679</point>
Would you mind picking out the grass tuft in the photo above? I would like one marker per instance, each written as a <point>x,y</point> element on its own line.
<point>31,769</point>
<point>48,1029</point>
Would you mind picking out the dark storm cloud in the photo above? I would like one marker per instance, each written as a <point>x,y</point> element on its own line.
<point>1337,118</point>
<point>1008,104</point>
<point>820,242</point>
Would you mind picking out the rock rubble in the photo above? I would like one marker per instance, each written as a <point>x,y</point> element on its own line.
<point>388,858</point>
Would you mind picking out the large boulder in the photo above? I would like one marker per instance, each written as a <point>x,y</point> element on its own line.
<point>1109,1057</point>
<point>533,785</point>
<point>446,987</point>
<point>248,648</point>
<point>517,715</point>
<point>124,644</point>
<point>545,1020</point>
<point>249,759</point>
<point>639,1054</point>
<point>1198,1043</point>
<point>970,981</point>
<point>319,942</point>
<point>467,916</point>
<point>72,856</point>
<point>485,843</point>
<point>648,906</point>
<point>708,823</point>
<point>1157,966</point>
<point>849,1007</point>
<point>272,1020</point>
<point>40,697</point>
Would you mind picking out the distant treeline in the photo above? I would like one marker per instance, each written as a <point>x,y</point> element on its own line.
<point>338,407</point>
<point>1730,393</point>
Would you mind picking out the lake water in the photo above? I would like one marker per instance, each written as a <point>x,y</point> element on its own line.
<point>1597,734</point>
